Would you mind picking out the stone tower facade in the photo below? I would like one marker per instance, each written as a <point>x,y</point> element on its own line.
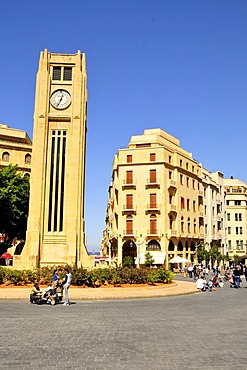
<point>56,230</point>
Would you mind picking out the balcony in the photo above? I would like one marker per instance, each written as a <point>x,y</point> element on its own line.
<point>219,235</point>
<point>129,184</point>
<point>129,233</point>
<point>129,208</point>
<point>172,184</point>
<point>153,232</point>
<point>152,208</point>
<point>172,208</point>
<point>153,183</point>
<point>171,233</point>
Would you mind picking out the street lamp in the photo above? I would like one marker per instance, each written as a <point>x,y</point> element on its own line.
<point>138,252</point>
<point>109,246</point>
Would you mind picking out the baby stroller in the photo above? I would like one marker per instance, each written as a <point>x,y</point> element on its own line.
<point>231,281</point>
<point>51,295</point>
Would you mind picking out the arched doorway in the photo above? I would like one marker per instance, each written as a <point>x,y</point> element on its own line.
<point>180,247</point>
<point>129,250</point>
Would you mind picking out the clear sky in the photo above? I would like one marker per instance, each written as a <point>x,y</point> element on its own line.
<point>177,65</point>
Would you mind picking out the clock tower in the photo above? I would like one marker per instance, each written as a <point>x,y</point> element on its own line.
<point>56,227</point>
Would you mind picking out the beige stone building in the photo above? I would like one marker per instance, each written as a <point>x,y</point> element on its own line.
<point>236,217</point>
<point>56,230</point>
<point>214,210</point>
<point>155,201</point>
<point>162,201</point>
<point>15,148</point>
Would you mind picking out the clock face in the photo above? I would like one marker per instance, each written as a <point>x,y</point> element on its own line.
<point>60,99</point>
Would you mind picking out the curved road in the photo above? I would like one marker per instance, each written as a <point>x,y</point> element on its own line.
<point>199,331</point>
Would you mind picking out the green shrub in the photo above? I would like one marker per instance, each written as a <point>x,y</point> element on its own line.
<point>84,277</point>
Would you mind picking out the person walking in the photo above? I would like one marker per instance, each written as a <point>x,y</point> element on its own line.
<point>237,274</point>
<point>66,284</point>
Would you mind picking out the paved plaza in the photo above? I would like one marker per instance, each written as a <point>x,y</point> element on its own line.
<point>197,331</point>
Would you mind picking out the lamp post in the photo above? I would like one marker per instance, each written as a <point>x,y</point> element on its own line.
<point>138,251</point>
<point>109,246</point>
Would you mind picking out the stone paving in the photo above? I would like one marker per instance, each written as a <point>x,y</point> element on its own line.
<point>197,331</point>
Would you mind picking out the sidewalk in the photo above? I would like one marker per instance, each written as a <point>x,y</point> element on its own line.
<point>79,293</point>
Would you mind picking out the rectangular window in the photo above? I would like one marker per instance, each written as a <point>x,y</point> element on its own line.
<point>188,204</point>
<point>129,158</point>
<point>152,200</point>
<point>152,157</point>
<point>67,74</point>
<point>194,205</point>
<point>170,175</point>
<point>129,201</point>
<point>187,166</point>
<point>240,230</point>
<point>237,230</point>
<point>152,174</point>
<point>206,229</point>
<point>240,216</point>
<point>129,177</point>
<point>193,169</point>
<point>56,73</point>
<point>193,184</point>
<point>182,203</point>
<point>236,216</point>
<point>170,199</point>
<point>228,202</point>
<point>229,244</point>
<point>229,230</point>
<point>187,182</point>
<point>181,163</point>
<point>181,179</point>
<point>228,217</point>
<point>237,202</point>
<point>170,159</point>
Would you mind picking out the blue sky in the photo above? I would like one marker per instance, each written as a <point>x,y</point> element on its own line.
<point>178,65</point>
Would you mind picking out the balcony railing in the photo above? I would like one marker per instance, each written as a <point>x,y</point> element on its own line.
<point>153,183</point>
<point>172,184</point>
<point>172,208</point>
<point>153,232</point>
<point>153,207</point>
<point>129,233</point>
<point>130,183</point>
<point>171,233</point>
<point>129,208</point>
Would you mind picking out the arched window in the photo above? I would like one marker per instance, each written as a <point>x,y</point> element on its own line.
<point>153,224</point>
<point>182,224</point>
<point>5,156</point>
<point>188,225</point>
<point>194,225</point>
<point>153,245</point>
<point>170,222</point>
<point>28,158</point>
<point>170,246</point>
<point>129,225</point>
<point>180,246</point>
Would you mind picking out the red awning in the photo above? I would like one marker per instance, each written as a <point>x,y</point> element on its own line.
<point>6,255</point>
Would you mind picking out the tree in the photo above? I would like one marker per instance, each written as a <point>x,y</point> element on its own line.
<point>201,253</point>
<point>215,254</point>
<point>149,260</point>
<point>14,198</point>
